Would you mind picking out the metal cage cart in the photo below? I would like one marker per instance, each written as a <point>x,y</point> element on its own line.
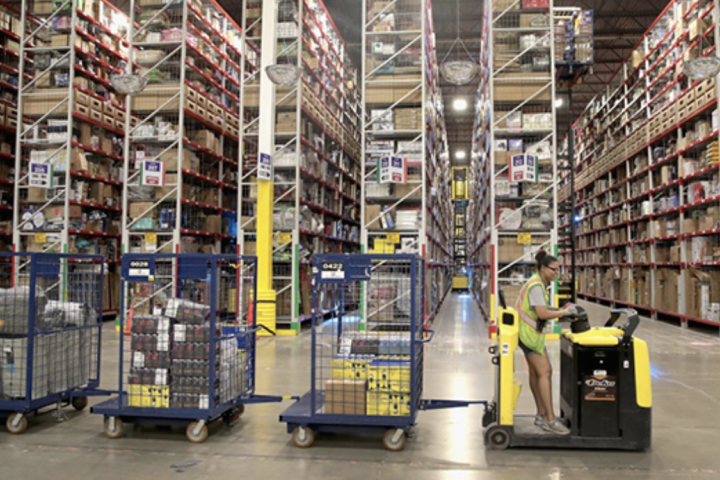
<point>367,376</point>
<point>188,356</point>
<point>50,332</point>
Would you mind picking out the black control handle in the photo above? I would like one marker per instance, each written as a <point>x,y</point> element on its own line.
<point>633,320</point>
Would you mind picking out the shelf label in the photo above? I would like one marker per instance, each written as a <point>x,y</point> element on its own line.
<point>392,170</point>
<point>264,167</point>
<point>152,174</point>
<point>284,238</point>
<point>41,175</point>
<point>40,238</point>
<point>524,238</point>
<point>393,237</point>
<point>151,241</point>
<point>523,168</point>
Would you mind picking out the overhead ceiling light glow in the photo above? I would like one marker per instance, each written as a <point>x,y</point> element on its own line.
<point>460,154</point>
<point>559,102</point>
<point>460,104</point>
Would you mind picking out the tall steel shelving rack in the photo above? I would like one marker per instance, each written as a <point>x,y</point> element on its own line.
<point>479,205</point>
<point>316,157</point>
<point>516,118</point>
<point>71,132</point>
<point>10,36</point>
<point>182,144</point>
<point>404,120</point>
<point>644,146</point>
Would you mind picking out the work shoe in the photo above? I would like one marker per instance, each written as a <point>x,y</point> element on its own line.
<point>539,420</point>
<point>556,427</point>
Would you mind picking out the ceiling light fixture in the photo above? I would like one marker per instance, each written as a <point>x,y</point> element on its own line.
<point>460,154</point>
<point>458,70</point>
<point>285,74</point>
<point>460,104</point>
<point>702,68</point>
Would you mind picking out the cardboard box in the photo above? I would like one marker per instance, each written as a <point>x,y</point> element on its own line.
<point>137,209</point>
<point>204,138</point>
<point>372,216</point>
<point>675,253</point>
<point>58,211</point>
<point>213,224</point>
<point>509,250</point>
<point>249,248</point>
<point>345,397</point>
<point>689,225</point>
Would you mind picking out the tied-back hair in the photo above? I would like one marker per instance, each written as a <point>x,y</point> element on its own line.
<point>544,260</point>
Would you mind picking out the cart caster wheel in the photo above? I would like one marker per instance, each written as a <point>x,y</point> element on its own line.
<point>394,440</point>
<point>79,403</point>
<point>194,435</point>
<point>303,437</point>
<point>113,431</point>
<point>497,438</point>
<point>14,426</point>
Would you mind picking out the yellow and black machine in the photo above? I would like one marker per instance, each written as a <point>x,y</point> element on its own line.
<point>461,276</point>
<point>605,388</point>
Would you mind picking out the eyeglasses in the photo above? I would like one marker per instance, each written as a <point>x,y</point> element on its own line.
<point>556,270</point>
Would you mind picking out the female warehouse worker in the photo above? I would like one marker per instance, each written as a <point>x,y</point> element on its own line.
<point>534,310</point>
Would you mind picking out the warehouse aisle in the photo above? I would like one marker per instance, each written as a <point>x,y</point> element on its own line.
<point>448,444</point>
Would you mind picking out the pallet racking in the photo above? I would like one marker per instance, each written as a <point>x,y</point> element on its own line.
<point>181,149</point>
<point>69,144</point>
<point>316,159</point>
<point>514,205</point>
<point>646,174</point>
<point>10,36</point>
<point>406,196</point>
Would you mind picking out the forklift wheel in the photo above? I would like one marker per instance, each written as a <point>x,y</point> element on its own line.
<point>497,438</point>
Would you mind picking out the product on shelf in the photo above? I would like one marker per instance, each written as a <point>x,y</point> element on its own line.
<point>646,173</point>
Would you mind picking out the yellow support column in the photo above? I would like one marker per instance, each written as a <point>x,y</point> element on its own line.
<point>266,306</point>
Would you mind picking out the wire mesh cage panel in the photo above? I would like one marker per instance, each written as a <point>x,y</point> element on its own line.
<point>369,370</point>
<point>189,346</point>
<point>50,319</point>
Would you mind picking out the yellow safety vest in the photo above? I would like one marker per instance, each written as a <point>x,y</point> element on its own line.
<point>531,327</point>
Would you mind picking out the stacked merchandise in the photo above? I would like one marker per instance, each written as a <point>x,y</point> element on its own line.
<point>513,169</point>
<point>647,180</point>
<point>64,337</point>
<point>70,177</point>
<point>316,162</point>
<point>406,164</point>
<point>573,37</point>
<point>370,376</point>
<point>10,34</point>
<point>171,359</point>
<point>181,161</point>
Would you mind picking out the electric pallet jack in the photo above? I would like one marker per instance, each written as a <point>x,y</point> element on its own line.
<point>606,393</point>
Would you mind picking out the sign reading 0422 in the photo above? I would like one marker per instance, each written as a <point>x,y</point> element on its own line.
<point>333,270</point>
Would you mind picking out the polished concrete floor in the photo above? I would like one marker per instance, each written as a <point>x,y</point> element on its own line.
<point>448,444</point>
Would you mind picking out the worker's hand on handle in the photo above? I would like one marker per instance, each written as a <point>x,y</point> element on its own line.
<point>571,309</point>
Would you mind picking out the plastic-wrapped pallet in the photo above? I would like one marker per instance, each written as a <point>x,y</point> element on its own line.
<point>15,310</point>
<point>13,367</point>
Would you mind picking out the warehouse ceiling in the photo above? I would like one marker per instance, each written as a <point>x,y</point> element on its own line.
<point>619,25</point>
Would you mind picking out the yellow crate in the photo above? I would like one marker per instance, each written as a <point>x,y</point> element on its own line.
<point>389,377</point>
<point>350,369</point>
<point>149,396</point>
<point>391,404</point>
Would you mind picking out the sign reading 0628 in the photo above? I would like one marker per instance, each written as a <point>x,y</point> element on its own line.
<point>333,270</point>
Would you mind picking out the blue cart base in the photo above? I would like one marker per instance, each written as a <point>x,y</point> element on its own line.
<point>195,420</point>
<point>15,412</point>
<point>303,423</point>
